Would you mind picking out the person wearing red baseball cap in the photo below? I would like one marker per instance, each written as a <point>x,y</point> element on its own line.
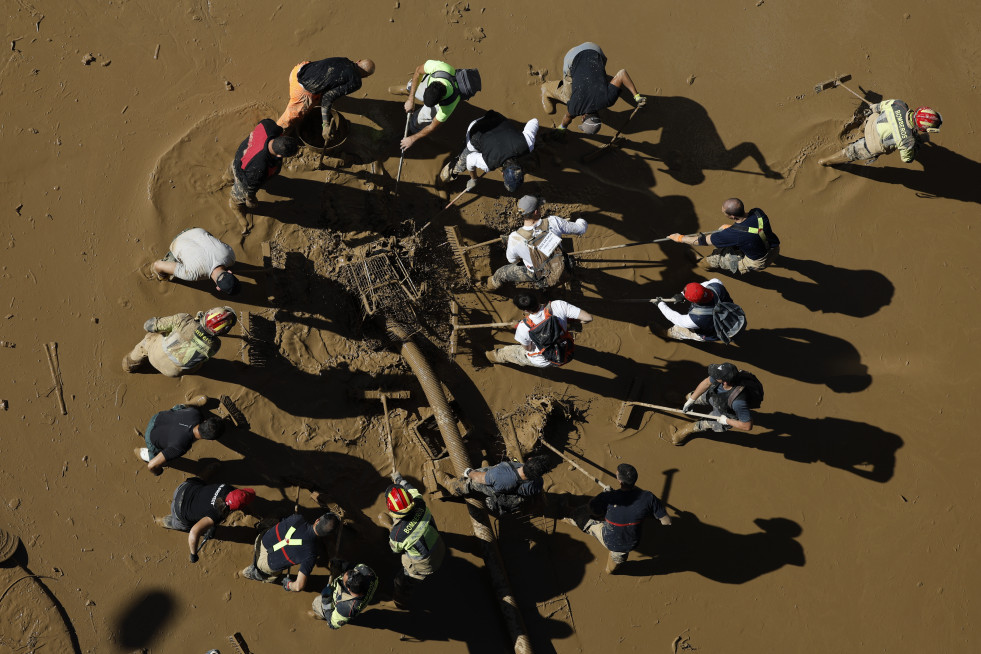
<point>699,323</point>
<point>199,507</point>
<point>891,126</point>
<point>413,535</point>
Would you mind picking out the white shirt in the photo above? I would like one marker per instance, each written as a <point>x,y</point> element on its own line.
<point>198,253</point>
<point>561,310</point>
<point>682,319</point>
<point>476,160</point>
<point>518,248</point>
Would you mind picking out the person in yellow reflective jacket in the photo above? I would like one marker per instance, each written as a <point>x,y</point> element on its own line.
<point>892,126</point>
<point>414,536</point>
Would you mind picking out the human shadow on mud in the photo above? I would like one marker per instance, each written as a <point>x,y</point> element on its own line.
<point>690,545</point>
<point>689,142</point>
<point>475,623</point>
<point>856,447</point>
<point>945,174</point>
<point>798,353</point>
<point>147,616</point>
<point>340,477</point>
<point>825,292</point>
<point>295,391</point>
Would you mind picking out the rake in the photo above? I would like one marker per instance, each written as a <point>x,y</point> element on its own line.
<point>460,251</point>
<point>455,323</point>
<point>839,81</point>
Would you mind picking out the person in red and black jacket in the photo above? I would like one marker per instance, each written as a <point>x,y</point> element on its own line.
<point>258,158</point>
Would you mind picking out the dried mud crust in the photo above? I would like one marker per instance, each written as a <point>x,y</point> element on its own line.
<point>544,416</point>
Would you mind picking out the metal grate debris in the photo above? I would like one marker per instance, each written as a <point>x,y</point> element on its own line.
<point>383,283</point>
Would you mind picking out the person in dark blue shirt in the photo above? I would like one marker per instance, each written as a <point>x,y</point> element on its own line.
<point>615,517</point>
<point>730,393</point>
<point>506,485</point>
<point>293,541</point>
<point>748,244</point>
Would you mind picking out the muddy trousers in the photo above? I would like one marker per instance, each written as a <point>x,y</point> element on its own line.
<point>519,273</point>
<point>151,347</point>
<point>301,100</point>
<point>513,354</point>
<point>580,518</point>
<point>414,571</point>
<point>737,263</point>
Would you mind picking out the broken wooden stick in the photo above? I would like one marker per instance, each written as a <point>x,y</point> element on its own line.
<point>51,349</point>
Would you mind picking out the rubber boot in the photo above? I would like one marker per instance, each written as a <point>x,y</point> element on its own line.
<point>491,356</point>
<point>680,436</point>
<point>197,401</point>
<point>403,590</point>
<point>548,104</point>
<point>491,284</point>
<point>837,158</point>
<point>130,365</point>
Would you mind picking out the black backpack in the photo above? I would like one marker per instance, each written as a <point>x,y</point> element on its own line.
<point>465,84</point>
<point>748,384</point>
<point>729,319</point>
<point>553,342</point>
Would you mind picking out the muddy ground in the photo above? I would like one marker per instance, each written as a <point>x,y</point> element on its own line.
<point>845,521</point>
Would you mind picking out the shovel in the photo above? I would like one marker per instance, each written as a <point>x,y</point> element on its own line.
<point>592,156</point>
<point>627,245</point>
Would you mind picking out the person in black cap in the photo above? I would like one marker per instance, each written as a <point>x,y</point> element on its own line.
<point>493,142</point>
<point>534,249</point>
<point>196,254</point>
<point>615,517</point>
<point>730,393</point>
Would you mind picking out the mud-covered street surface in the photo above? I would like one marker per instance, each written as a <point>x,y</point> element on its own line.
<point>845,521</point>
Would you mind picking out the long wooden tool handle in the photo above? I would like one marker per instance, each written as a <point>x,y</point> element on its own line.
<point>401,158</point>
<point>388,432</point>
<point>855,94</point>
<point>626,245</point>
<point>488,325</point>
<point>480,245</point>
<point>574,464</point>
<point>673,410</point>
<point>632,114</point>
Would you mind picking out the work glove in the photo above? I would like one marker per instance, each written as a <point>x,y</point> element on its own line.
<point>150,325</point>
<point>678,297</point>
<point>677,238</point>
<point>397,478</point>
<point>157,471</point>
<point>722,420</point>
<point>286,582</point>
<point>466,473</point>
<point>471,185</point>
<point>194,558</point>
<point>640,100</point>
<point>326,132</point>
<point>689,403</point>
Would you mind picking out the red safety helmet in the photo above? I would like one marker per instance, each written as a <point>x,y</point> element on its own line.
<point>927,120</point>
<point>398,500</point>
<point>220,319</point>
<point>698,294</point>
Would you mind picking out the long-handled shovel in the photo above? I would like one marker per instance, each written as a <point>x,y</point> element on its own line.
<point>405,133</point>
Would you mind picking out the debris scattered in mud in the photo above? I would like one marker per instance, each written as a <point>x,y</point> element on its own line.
<point>88,59</point>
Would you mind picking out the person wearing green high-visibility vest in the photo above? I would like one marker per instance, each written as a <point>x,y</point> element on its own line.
<point>747,244</point>
<point>414,536</point>
<point>293,541</point>
<point>346,595</point>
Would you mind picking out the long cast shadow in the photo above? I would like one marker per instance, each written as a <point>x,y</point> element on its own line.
<point>945,174</point>
<point>856,447</point>
<point>690,545</point>
<point>798,353</point>
<point>148,615</point>
<point>825,292</point>
<point>689,143</point>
